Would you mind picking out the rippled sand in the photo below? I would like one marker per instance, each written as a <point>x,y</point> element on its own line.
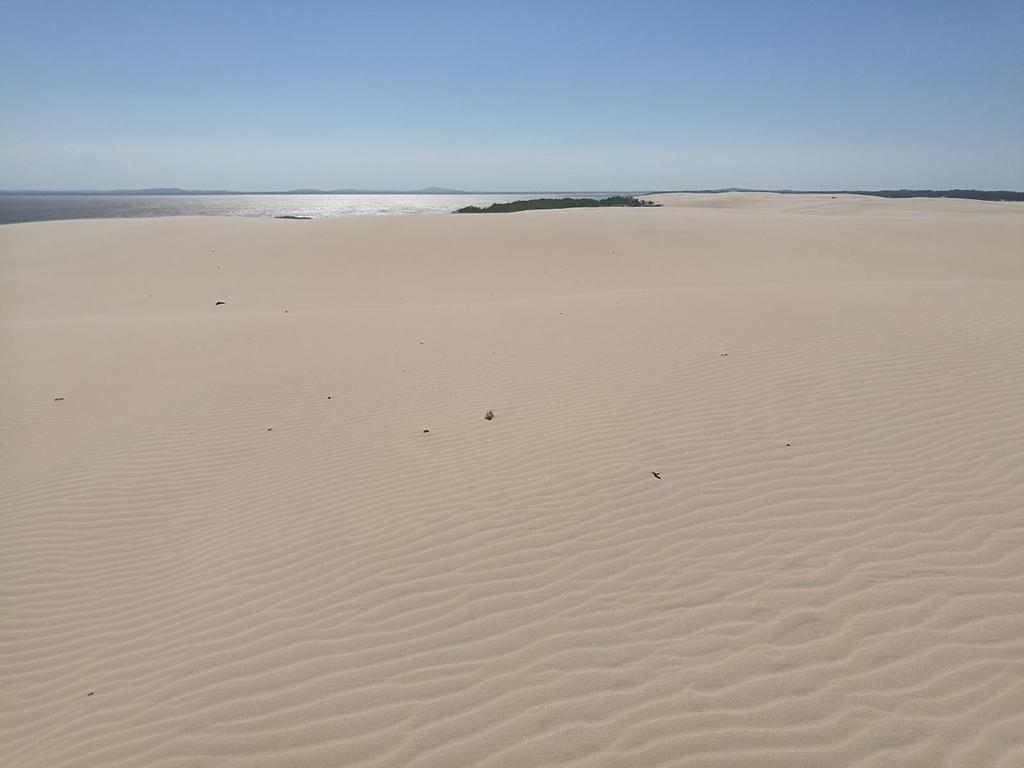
<point>753,493</point>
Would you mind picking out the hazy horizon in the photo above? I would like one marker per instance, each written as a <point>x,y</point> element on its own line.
<point>487,96</point>
<point>454,191</point>
<point>298,190</point>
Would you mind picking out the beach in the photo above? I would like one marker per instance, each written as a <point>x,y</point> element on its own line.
<point>752,493</point>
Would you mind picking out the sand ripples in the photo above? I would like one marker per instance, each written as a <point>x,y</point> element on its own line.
<point>828,572</point>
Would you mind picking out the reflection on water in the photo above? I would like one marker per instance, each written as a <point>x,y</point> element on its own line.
<point>21,208</point>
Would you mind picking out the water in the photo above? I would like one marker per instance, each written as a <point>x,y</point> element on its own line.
<point>22,208</point>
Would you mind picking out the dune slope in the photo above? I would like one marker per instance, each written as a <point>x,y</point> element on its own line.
<point>753,493</point>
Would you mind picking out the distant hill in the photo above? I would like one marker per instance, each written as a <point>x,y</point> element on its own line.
<point>963,194</point>
<point>966,194</point>
<point>424,191</point>
<point>439,191</point>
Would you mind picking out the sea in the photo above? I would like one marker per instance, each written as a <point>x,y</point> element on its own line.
<point>16,208</point>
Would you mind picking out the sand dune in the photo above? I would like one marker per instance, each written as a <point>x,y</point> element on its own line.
<point>233,543</point>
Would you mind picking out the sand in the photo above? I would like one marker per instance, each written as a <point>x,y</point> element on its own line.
<point>234,541</point>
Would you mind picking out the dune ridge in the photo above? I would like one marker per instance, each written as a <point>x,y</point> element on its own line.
<point>232,542</point>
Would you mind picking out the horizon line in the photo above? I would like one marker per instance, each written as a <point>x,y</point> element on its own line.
<point>435,190</point>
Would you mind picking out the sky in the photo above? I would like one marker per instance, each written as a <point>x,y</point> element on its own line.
<point>513,95</point>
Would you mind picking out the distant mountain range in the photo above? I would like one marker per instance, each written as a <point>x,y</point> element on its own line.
<point>310,191</point>
<point>967,194</point>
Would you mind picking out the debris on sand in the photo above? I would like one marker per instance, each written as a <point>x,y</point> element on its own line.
<point>657,475</point>
<point>218,303</point>
<point>57,399</point>
<point>425,431</point>
<point>489,415</point>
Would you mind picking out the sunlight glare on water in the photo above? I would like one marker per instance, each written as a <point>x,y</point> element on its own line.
<point>45,207</point>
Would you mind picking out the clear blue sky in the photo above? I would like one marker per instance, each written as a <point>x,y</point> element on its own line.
<point>512,95</point>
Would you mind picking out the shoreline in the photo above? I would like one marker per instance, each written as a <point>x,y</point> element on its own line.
<point>734,201</point>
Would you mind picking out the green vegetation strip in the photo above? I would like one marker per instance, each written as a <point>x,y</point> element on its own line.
<point>543,203</point>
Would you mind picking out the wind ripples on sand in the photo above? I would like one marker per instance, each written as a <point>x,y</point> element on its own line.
<point>751,496</point>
